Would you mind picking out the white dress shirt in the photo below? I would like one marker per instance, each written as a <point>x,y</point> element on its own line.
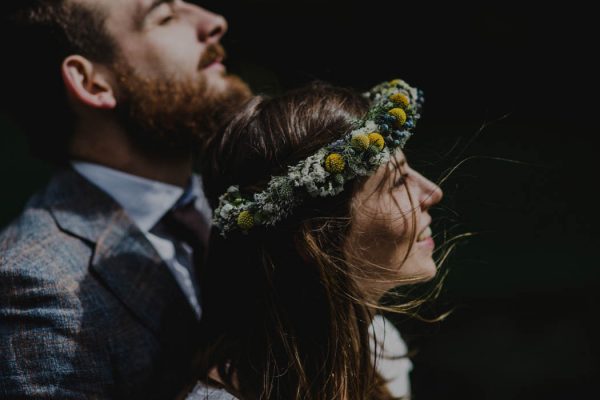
<point>146,201</point>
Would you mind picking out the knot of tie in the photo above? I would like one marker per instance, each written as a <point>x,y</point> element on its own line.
<point>187,224</point>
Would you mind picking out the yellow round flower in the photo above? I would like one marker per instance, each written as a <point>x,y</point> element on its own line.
<point>376,140</point>
<point>334,163</point>
<point>400,100</point>
<point>400,116</point>
<point>245,220</point>
<point>361,142</point>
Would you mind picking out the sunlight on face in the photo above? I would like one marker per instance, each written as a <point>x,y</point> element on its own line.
<point>167,39</point>
<point>390,226</point>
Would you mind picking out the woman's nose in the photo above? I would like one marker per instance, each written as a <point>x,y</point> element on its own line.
<point>431,194</point>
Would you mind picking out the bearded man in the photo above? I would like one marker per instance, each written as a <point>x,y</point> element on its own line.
<point>98,275</point>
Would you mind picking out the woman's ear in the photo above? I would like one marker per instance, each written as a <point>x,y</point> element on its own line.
<point>87,83</point>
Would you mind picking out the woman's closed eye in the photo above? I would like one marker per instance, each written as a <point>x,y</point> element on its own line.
<point>401,180</point>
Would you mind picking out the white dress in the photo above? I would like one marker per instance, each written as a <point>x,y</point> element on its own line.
<point>390,346</point>
<point>204,392</point>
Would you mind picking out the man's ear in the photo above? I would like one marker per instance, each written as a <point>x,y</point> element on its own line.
<point>88,83</point>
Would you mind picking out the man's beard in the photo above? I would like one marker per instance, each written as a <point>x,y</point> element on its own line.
<point>171,118</point>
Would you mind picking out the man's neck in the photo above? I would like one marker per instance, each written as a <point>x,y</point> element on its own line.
<point>174,173</point>
<point>113,152</point>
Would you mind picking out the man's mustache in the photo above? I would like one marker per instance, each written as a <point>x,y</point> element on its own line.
<point>213,53</point>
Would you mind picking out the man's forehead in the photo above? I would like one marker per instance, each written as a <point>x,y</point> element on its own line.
<point>124,3</point>
<point>122,6</point>
<point>120,14</point>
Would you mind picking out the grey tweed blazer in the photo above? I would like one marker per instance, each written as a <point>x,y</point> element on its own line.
<point>87,307</point>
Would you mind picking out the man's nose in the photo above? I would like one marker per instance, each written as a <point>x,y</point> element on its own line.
<point>211,27</point>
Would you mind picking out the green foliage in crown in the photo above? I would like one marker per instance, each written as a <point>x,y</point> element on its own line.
<point>387,126</point>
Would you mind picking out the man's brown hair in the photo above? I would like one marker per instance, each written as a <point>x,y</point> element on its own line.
<point>37,35</point>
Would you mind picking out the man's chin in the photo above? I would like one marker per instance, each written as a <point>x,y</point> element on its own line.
<point>176,117</point>
<point>223,84</point>
<point>218,84</point>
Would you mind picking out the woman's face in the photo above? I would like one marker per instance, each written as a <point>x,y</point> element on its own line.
<point>390,226</point>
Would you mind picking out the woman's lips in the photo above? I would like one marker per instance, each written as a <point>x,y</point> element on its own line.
<point>424,239</point>
<point>428,242</point>
<point>425,233</point>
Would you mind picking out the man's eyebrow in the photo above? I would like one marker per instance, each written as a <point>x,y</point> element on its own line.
<point>143,12</point>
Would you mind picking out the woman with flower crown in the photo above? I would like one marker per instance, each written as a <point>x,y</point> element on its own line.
<point>318,215</point>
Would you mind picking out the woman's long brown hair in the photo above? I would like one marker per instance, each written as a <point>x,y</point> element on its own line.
<point>283,315</point>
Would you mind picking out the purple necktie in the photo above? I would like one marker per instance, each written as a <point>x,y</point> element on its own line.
<point>188,225</point>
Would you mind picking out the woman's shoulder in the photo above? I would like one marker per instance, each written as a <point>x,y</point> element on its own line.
<point>391,355</point>
<point>204,392</point>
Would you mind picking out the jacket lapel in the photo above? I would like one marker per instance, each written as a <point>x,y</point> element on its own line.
<point>123,258</point>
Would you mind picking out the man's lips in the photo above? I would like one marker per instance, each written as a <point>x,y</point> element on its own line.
<point>214,55</point>
<point>218,60</point>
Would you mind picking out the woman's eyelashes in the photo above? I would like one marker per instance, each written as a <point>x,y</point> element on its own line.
<point>401,180</point>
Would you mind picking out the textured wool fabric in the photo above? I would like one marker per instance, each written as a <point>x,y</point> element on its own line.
<point>88,309</point>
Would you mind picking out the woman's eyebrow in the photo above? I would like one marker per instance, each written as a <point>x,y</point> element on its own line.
<point>399,164</point>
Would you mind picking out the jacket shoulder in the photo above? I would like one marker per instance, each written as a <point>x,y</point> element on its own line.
<point>50,342</point>
<point>34,243</point>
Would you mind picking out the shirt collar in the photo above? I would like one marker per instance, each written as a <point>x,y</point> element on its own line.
<point>145,201</point>
<point>194,192</point>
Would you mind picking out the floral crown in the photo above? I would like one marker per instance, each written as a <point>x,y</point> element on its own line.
<point>388,124</point>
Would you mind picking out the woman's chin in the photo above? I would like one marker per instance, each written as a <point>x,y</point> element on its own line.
<point>430,269</point>
<point>423,271</point>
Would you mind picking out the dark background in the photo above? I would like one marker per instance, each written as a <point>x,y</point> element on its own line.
<point>508,91</point>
